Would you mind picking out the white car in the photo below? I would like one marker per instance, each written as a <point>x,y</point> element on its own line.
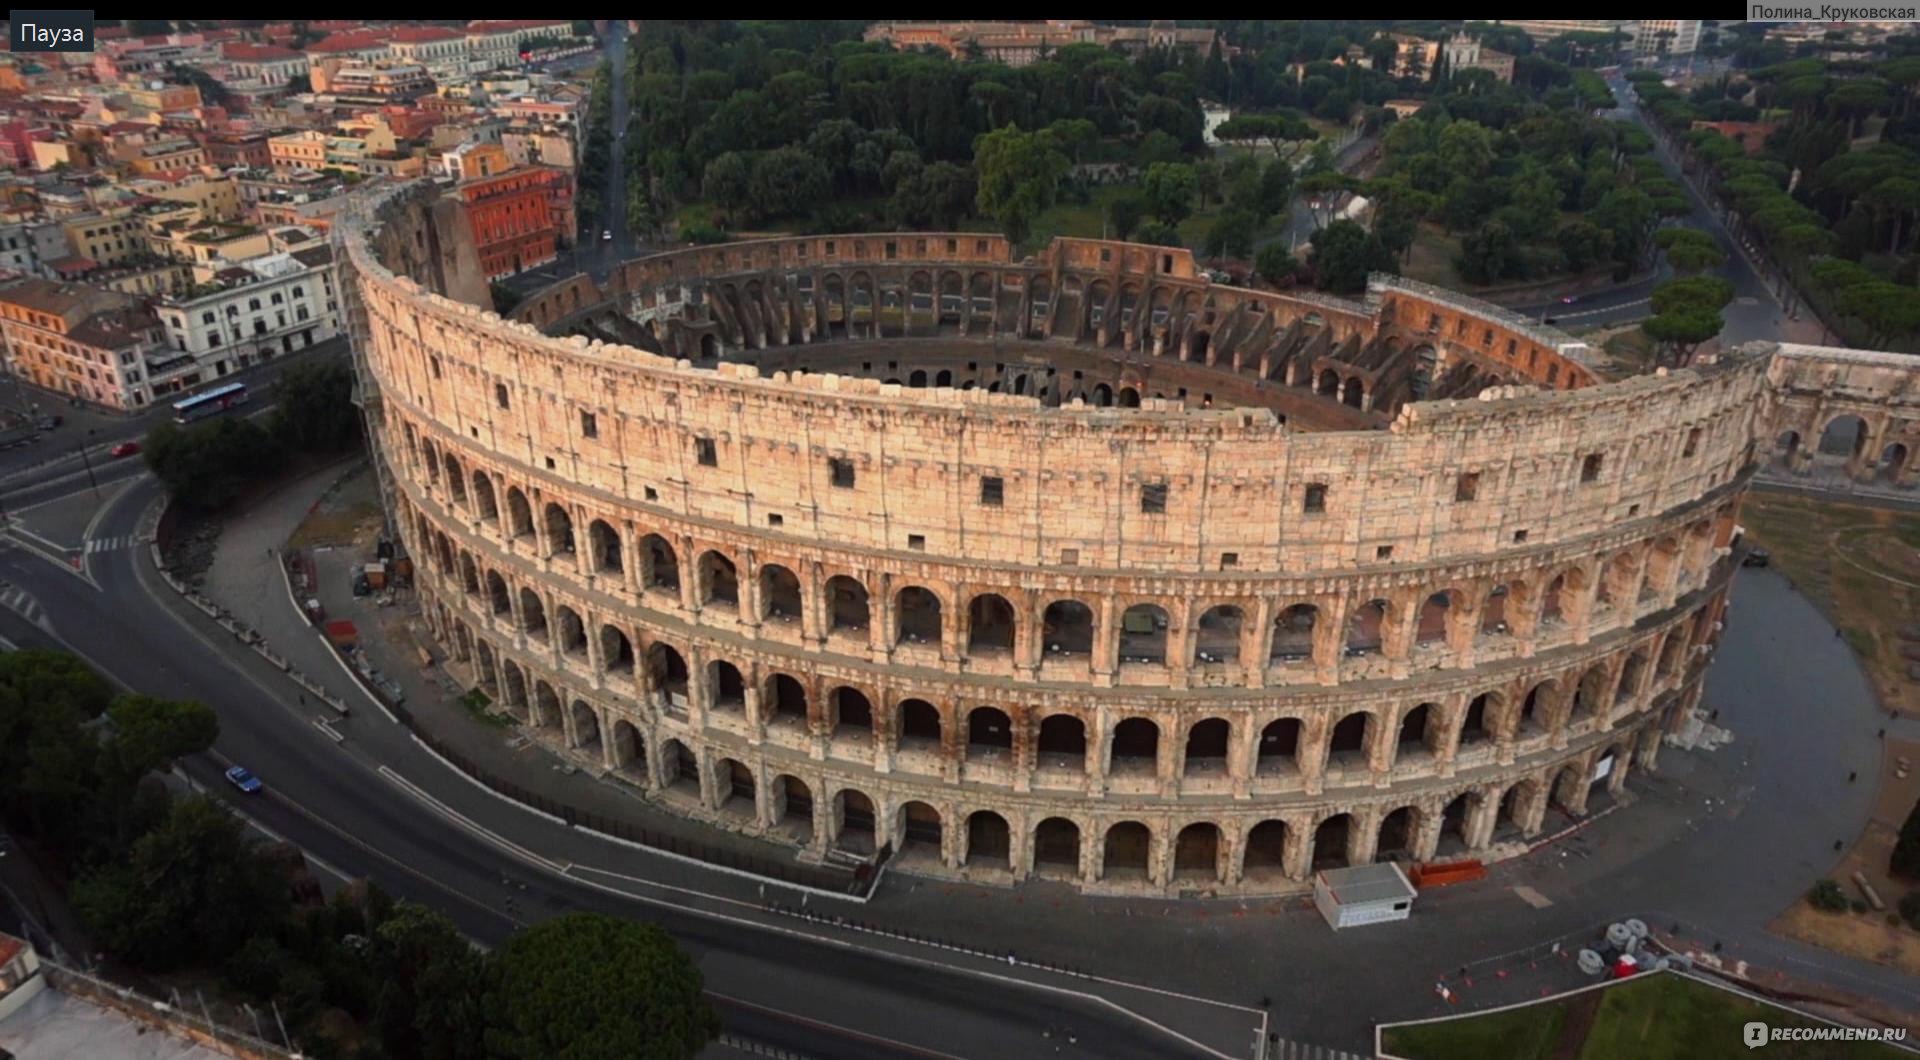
<point>606,235</point>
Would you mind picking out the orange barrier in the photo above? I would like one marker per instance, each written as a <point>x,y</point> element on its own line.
<point>1442,873</point>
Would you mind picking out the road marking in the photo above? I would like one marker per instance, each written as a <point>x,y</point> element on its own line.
<point>26,605</point>
<point>460,819</point>
<point>832,1028</point>
<point>1532,897</point>
<point>109,544</point>
<point>1291,1050</point>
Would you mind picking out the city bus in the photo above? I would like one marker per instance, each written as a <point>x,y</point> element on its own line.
<point>210,403</point>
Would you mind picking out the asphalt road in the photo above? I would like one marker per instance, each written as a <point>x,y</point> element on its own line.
<point>805,995</point>
<point>57,454</point>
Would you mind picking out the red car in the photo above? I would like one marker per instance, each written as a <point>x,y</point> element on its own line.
<point>124,449</point>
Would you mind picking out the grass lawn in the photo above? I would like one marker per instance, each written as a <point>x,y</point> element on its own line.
<point>1652,1017</point>
<point>1822,546</point>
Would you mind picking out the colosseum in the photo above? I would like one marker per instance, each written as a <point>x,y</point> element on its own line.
<point>1074,566</point>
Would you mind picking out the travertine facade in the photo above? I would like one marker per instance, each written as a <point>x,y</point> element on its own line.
<point>1295,615</point>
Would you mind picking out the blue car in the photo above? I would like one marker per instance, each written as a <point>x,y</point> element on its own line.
<point>245,781</point>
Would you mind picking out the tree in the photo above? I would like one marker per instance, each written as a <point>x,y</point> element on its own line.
<point>1276,264</point>
<point>727,182</point>
<point>936,196</point>
<point>786,182</point>
<point>586,986</point>
<point>1231,234</point>
<point>314,410</point>
<point>1124,213</point>
<point>208,464</point>
<point>1686,314</point>
<point>1343,254</point>
<point>1209,179</point>
<point>1324,187</point>
<point>1690,250</point>
<point>1488,254</point>
<point>150,734</point>
<point>1154,233</point>
<point>1017,175</point>
<point>1169,188</point>
<point>192,890</point>
<point>429,994</point>
<point>1275,130</point>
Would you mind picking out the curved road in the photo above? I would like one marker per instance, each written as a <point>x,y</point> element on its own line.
<point>783,984</point>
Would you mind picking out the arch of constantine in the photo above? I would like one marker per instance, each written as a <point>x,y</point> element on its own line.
<point>1077,566</point>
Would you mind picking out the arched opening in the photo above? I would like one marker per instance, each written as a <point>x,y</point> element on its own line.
<point>629,750</point>
<point>846,605</point>
<point>667,670</point>
<point>989,735</point>
<point>1619,582</point>
<point>1892,462</point>
<point>680,770</point>
<point>1552,611</point>
<point>1207,748</point>
<point>1351,737</point>
<point>1128,850</point>
<point>1293,634</point>
<point>1473,725</point>
<point>1279,751</point>
<point>484,499</point>
<point>1217,636</point>
<point>1844,436</point>
<point>786,701</point>
<point>989,841</point>
<point>1493,613</point>
<point>855,811</point>
<point>1129,398</point>
<point>719,583</point>
<point>1265,861</point>
<point>1143,635</point>
<point>456,481</point>
<point>1367,630</point>
<point>533,615</point>
<point>1506,816</point>
<point>1056,849</point>
<point>796,808</point>
<point>1062,744</point>
<point>1432,627</point>
<point>546,706</point>
<point>559,531</point>
<point>573,632</point>
<point>1102,396</point>
<point>1453,825</point>
<point>1396,836</point>
<point>919,831</point>
<point>1329,383</point>
<point>485,672</point>
<point>1785,448</point>
<point>918,378</point>
<point>616,651</point>
<point>1589,695</point>
<point>709,347</point>
<point>498,599</point>
<point>586,728</point>
<point>1671,654</point>
<point>779,594</point>
<point>1353,395</point>
<point>727,687</point>
<point>990,625</point>
<point>519,515</point>
<point>662,564</point>
<point>1331,841</point>
<point>1067,628</point>
<point>1416,738</point>
<point>735,789</point>
<point>852,713</point>
<point>1196,853</point>
<point>1532,718</point>
<point>919,725</point>
<point>515,691</point>
<point>604,543</point>
<point>1136,748</point>
<point>919,611</point>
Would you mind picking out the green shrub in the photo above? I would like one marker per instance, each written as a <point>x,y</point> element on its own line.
<point>1826,895</point>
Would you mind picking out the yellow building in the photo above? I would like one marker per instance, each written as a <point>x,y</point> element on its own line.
<point>106,239</point>
<point>218,199</point>
<point>79,340</point>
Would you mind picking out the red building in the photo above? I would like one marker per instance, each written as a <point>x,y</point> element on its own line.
<point>513,228</point>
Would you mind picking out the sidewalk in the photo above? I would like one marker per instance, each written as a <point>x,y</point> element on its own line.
<point>246,579</point>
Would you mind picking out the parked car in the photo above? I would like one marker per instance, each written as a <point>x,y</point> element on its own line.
<point>606,234</point>
<point>245,781</point>
<point>1759,557</point>
<point>1570,299</point>
<point>48,423</point>
<point>124,449</point>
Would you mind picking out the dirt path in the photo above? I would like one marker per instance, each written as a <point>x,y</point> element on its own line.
<point>1582,1010</point>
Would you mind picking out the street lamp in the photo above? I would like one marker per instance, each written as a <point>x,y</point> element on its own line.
<point>84,459</point>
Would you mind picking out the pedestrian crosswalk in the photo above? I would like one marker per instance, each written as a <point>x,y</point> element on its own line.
<point>109,544</point>
<point>1282,1049</point>
<point>23,603</point>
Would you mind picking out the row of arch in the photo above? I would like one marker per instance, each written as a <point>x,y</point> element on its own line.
<point>1250,633</point>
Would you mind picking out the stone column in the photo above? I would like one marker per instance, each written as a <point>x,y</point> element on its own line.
<point>1385,741</point>
<point>1482,814</point>
<point>1256,639</point>
<point>1297,856</point>
<point>747,574</point>
<point>1019,846</point>
<point>1329,640</point>
<point>881,619</point>
<point>814,617</point>
<point>1099,752</point>
<point>1024,734</point>
<point>886,724</point>
<point>689,576</point>
<point>1091,852</point>
<point>1363,835</point>
<point>1531,808</point>
<point>1026,637</point>
<point>1242,756</point>
<point>1452,721</point>
<point>1311,751</point>
<point>1160,855</point>
<point>1426,837</point>
<point>755,710</point>
<point>709,783</point>
<point>1106,648</point>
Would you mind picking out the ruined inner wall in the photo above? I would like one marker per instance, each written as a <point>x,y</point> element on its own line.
<point>1815,386</point>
